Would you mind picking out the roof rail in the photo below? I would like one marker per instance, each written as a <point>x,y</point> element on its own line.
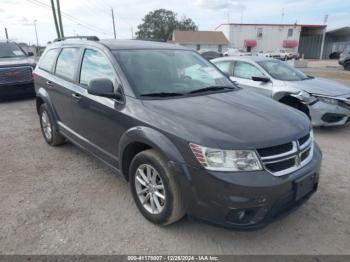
<point>91,38</point>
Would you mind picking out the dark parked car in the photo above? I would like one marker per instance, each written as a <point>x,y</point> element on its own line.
<point>344,58</point>
<point>334,55</point>
<point>185,137</point>
<point>15,71</point>
<point>209,55</point>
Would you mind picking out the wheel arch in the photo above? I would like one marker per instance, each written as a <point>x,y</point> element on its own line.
<point>42,97</point>
<point>138,139</point>
<point>292,101</point>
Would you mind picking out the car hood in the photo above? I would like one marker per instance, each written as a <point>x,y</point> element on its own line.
<point>321,86</point>
<point>237,119</point>
<point>16,61</point>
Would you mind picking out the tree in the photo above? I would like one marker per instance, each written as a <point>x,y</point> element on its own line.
<point>160,24</point>
<point>187,24</point>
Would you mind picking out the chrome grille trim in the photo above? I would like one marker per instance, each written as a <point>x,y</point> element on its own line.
<point>295,153</point>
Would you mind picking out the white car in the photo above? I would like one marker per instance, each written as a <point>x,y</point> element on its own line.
<point>280,54</point>
<point>236,52</point>
<point>326,102</point>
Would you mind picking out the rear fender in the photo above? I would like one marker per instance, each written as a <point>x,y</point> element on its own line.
<point>42,94</point>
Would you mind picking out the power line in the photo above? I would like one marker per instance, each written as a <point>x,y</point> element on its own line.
<point>70,17</point>
<point>95,6</point>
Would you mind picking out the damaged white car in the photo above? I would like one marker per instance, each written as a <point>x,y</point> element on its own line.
<point>326,102</point>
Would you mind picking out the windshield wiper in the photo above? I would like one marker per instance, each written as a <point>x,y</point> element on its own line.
<point>210,88</point>
<point>162,94</point>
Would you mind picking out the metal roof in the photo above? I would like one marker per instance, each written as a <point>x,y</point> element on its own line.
<point>340,31</point>
<point>251,24</point>
<point>199,37</point>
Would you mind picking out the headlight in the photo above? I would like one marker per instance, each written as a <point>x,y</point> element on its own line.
<point>327,100</point>
<point>226,160</point>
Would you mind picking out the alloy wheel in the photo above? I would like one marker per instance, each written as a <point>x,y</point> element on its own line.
<point>46,125</point>
<point>150,189</point>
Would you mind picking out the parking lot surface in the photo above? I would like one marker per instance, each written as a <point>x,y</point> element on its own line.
<point>63,201</point>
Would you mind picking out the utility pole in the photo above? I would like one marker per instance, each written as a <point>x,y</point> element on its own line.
<point>323,35</point>
<point>59,17</point>
<point>37,39</point>
<point>132,33</point>
<point>115,35</point>
<point>6,34</point>
<point>55,19</point>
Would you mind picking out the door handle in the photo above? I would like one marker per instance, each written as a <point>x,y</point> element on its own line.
<point>50,84</point>
<point>77,97</point>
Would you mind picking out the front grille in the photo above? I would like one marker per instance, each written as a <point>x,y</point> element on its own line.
<point>281,165</point>
<point>332,117</point>
<point>275,150</point>
<point>305,154</point>
<point>286,158</point>
<point>304,139</point>
<point>12,75</point>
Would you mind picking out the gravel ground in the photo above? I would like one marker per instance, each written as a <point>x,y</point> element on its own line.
<point>63,201</point>
<point>336,73</point>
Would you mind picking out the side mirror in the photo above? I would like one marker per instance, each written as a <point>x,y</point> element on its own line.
<point>30,54</point>
<point>103,87</point>
<point>261,79</point>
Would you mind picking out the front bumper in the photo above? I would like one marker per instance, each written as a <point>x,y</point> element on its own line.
<point>323,114</point>
<point>244,200</point>
<point>17,89</point>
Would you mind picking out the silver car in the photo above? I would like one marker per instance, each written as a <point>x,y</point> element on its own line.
<point>326,102</point>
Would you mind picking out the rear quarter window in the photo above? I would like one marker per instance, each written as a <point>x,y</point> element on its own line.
<point>48,60</point>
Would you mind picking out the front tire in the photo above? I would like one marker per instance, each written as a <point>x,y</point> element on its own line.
<point>154,188</point>
<point>48,127</point>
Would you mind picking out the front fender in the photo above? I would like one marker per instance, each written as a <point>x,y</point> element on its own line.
<point>152,138</point>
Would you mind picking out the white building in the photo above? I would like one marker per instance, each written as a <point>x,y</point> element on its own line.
<point>201,40</point>
<point>272,37</point>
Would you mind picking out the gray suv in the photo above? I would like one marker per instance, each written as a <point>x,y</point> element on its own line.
<point>185,137</point>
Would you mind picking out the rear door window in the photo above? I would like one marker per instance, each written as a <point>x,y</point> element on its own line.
<point>48,60</point>
<point>67,62</point>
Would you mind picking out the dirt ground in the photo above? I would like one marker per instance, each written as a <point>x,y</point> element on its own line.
<point>63,201</point>
<point>328,69</point>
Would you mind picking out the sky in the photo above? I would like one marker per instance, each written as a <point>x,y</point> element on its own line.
<point>93,17</point>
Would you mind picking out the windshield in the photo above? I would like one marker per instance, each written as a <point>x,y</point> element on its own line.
<point>169,71</point>
<point>282,71</point>
<point>8,50</point>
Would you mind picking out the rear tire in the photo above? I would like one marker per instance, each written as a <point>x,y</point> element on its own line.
<point>148,166</point>
<point>49,128</point>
